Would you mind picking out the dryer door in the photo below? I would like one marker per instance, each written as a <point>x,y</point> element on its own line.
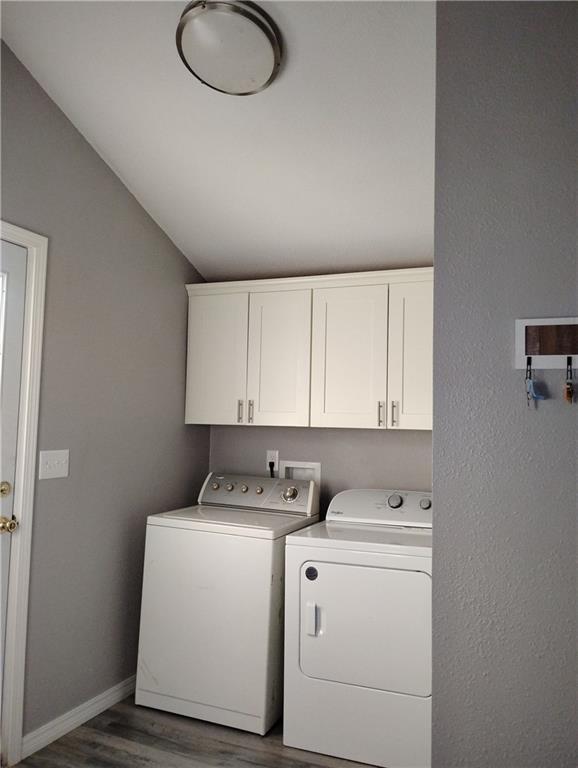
<point>366,626</point>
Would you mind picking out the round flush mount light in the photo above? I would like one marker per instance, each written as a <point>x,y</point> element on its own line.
<point>229,45</point>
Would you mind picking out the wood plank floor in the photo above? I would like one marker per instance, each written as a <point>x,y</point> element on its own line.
<point>136,737</point>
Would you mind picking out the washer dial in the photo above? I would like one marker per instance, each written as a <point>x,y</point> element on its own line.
<point>290,493</point>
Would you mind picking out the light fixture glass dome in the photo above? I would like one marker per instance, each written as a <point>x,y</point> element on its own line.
<point>229,45</point>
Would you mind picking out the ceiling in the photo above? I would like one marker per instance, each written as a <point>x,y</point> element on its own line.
<point>330,169</point>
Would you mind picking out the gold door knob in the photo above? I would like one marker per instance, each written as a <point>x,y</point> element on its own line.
<point>7,525</point>
<point>5,488</point>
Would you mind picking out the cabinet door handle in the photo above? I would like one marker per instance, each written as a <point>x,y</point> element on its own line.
<point>251,411</point>
<point>394,413</point>
<point>380,413</point>
<point>239,411</point>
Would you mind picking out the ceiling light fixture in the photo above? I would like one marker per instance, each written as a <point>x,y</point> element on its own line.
<point>232,46</point>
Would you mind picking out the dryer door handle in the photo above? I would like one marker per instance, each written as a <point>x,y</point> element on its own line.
<point>311,614</point>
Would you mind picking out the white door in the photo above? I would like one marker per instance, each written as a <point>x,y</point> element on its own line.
<point>12,295</point>
<point>349,356</point>
<point>410,366</point>
<point>217,359</point>
<point>279,358</point>
<point>366,626</point>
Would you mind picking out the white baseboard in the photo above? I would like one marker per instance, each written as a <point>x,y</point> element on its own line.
<point>62,725</point>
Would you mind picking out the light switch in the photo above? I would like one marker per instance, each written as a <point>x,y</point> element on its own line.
<point>53,464</point>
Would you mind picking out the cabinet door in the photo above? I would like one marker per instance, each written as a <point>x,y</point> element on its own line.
<point>279,358</point>
<point>410,384</point>
<point>349,356</point>
<point>217,358</point>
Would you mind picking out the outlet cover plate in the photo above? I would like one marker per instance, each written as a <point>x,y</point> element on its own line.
<point>273,455</point>
<point>53,464</point>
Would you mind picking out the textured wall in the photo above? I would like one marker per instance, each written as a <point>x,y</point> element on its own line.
<point>350,458</point>
<point>504,476</point>
<point>112,391</point>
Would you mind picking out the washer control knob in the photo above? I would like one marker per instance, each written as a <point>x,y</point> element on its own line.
<point>425,503</point>
<point>244,488</point>
<point>229,486</point>
<point>215,486</point>
<point>290,493</point>
<point>395,501</point>
<point>258,490</point>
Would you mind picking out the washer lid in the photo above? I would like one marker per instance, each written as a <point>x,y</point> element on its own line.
<point>235,522</point>
<point>365,538</point>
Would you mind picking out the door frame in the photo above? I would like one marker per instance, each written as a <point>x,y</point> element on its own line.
<point>24,484</point>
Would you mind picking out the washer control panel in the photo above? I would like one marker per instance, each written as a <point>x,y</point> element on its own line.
<point>410,509</point>
<point>269,494</point>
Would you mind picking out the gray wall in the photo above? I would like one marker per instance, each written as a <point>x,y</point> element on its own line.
<point>504,476</point>
<point>350,458</point>
<point>112,391</point>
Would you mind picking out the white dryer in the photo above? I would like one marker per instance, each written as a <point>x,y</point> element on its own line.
<point>211,632</point>
<point>358,630</point>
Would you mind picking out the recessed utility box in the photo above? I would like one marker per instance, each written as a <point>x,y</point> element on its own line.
<point>300,470</point>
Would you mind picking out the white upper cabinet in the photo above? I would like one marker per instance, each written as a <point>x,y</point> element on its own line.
<point>279,358</point>
<point>217,358</point>
<point>352,350</point>
<point>349,356</point>
<point>410,384</point>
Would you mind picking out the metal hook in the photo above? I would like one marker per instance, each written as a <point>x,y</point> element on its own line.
<point>531,394</point>
<point>529,387</point>
<point>569,387</point>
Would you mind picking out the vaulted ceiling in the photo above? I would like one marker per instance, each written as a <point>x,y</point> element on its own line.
<point>329,169</point>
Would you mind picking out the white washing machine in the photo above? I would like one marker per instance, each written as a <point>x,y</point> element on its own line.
<point>211,632</point>
<point>358,630</point>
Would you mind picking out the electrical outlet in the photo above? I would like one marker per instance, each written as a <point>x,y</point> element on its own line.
<point>53,464</point>
<point>274,457</point>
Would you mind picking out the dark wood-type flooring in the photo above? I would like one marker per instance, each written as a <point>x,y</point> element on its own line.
<point>126,735</point>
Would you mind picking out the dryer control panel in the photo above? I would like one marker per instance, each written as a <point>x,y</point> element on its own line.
<point>410,509</point>
<point>267,494</point>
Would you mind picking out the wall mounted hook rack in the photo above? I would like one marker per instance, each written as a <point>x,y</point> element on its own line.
<point>549,341</point>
